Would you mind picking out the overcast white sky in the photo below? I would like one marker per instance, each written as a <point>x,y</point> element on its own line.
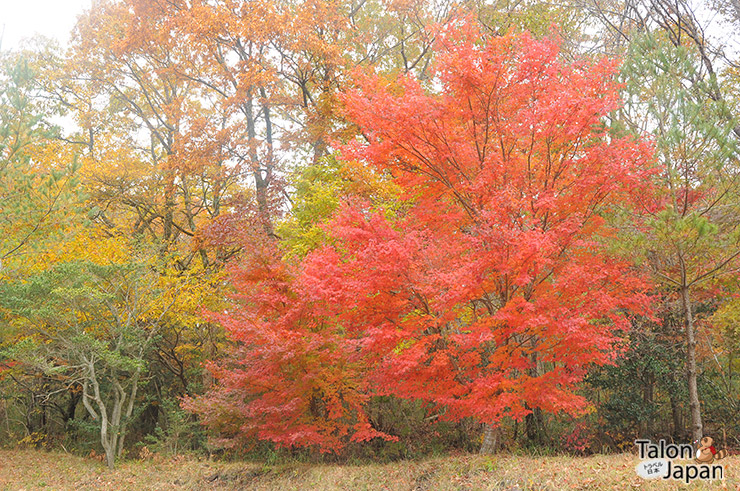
<point>25,18</point>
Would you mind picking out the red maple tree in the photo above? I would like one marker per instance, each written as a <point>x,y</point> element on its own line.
<point>488,294</point>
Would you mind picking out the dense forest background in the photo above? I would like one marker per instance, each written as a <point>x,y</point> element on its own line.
<point>372,229</point>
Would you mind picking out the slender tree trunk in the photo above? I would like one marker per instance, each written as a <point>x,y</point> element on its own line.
<point>676,415</point>
<point>74,399</point>
<point>168,216</point>
<point>647,397</point>
<point>694,407</point>
<point>490,440</point>
<point>110,453</point>
<point>129,411</point>
<point>261,180</point>
<point>319,150</point>
<point>101,414</point>
<point>534,425</point>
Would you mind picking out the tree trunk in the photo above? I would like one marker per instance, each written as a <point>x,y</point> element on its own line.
<point>129,411</point>
<point>261,181</point>
<point>694,407</point>
<point>110,458</point>
<point>534,425</point>
<point>490,440</point>
<point>75,394</point>
<point>110,451</point>
<point>647,397</point>
<point>101,414</point>
<point>676,415</point>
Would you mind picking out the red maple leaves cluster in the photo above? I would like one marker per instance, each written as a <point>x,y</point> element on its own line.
<point>487,295</point>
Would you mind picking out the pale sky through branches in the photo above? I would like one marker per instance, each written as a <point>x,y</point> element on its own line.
<point>51,18</point>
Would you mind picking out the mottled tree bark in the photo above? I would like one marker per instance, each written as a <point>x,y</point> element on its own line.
<point>694,407</point>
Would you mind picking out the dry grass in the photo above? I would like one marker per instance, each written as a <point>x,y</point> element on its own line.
<point>27,469</point>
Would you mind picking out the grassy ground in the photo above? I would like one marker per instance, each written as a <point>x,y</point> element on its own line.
<point>27,469</point>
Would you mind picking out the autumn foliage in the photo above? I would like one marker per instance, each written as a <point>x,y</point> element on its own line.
<point>370,228</point>
<point>487,292</point>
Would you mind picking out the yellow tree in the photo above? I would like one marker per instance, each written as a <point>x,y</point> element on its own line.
<point>155,161</point>
<point>37,183</point>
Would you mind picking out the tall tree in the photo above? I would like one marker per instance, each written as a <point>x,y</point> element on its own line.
<point>694,239</point>
<point>488,293</point>
<point>157,161</point>
<point>677,90</point>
